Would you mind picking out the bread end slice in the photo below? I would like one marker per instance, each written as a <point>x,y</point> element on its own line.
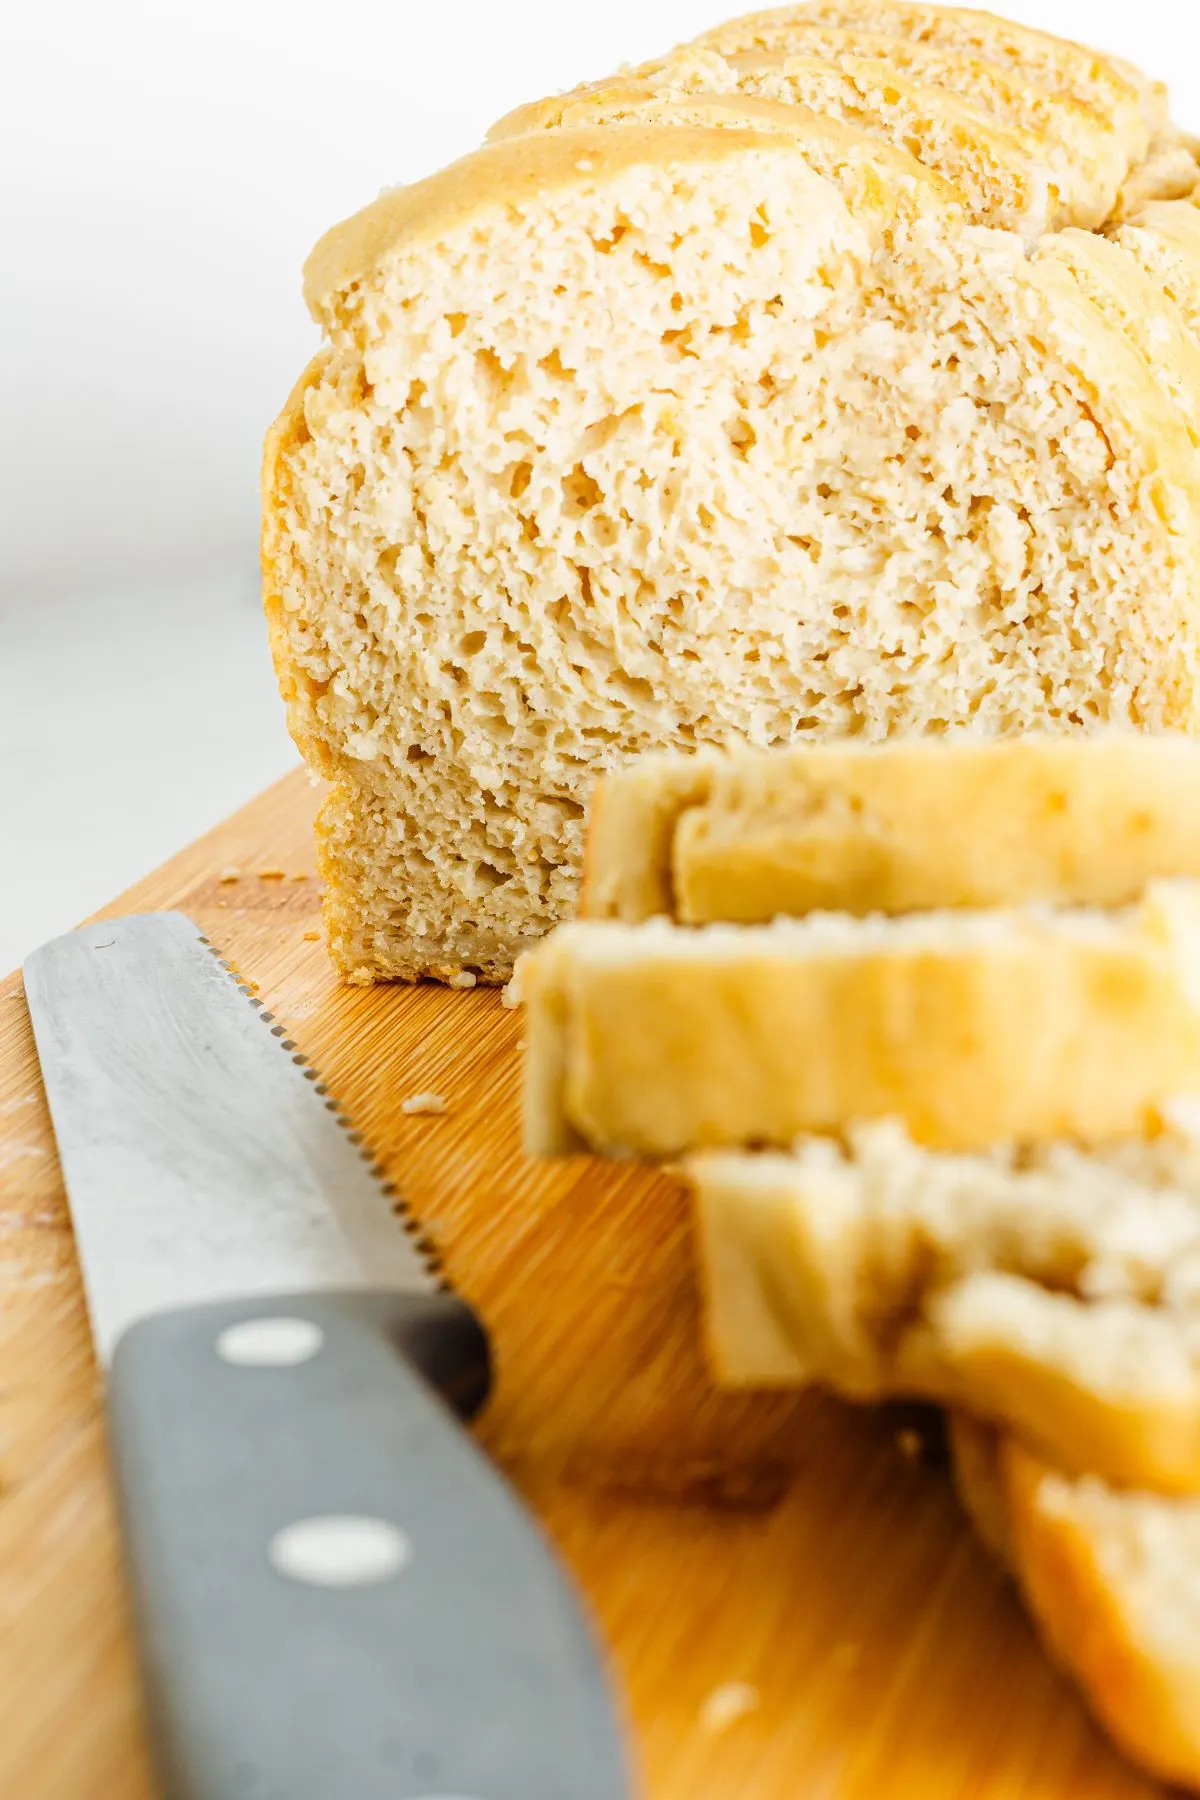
<point>1112,1581</point>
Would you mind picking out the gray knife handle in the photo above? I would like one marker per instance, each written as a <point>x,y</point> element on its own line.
<point>337,1595</point>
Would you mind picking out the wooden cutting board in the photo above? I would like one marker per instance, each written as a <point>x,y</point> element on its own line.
<point>811,1554</point>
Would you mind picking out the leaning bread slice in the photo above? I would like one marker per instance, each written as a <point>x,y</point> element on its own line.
<point>1139,305</point>
<point>972,1028</point>
<point>1169,172</point>
<point>1054,1291</point>
<point>882,185</point>
<point>1164,238</point>
<point>1080,145</point>
<point>1002,173</point>
<point>907,824</point>
<point>1133,105</point>
<point>1111,1578</point>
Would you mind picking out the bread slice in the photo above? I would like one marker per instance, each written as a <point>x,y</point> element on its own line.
<point>1169,172</point>
<point>1002,173</point>
<point>1164,238</point>
<point>1110,1578</point>
<point>883,186</point>
<point>973,1028</point>
<point>1134,106</point>
<point>896,827</point>
<point>1120,287</point>
<point>1054,1291</point>
<point>1086,154</point>
<point>640,438</point>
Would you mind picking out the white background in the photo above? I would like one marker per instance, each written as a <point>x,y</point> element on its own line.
<point>164,169</point>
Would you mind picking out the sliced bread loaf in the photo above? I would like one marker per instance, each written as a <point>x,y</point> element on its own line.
<point>632,438</point>
<point>894,827</point>
<point>1110,1577</point>
<point>973,1028</point>
<point>1054,1291</point>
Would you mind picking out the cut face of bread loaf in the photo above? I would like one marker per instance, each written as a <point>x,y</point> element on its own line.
<point>892,828</point>
<point>1002,173</point>
<point>640,438</point>
<point>973,1028</point>
<point>1110,1577</point>
<point>1053,1291</point>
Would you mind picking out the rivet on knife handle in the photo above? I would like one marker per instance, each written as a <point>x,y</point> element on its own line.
<point>337,1595</point>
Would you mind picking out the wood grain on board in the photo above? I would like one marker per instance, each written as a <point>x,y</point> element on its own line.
<point>789,1544</point>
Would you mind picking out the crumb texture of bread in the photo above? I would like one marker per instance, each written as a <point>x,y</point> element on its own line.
<point>972,1028</point>
<point>1051,1290</point>
<point>660,436</point>
<point>897,827</point>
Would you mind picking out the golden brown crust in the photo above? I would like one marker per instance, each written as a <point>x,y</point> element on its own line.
<point>510,172</point>
<point>1150,1703</point>
<point>289,430</point>
<point>878,180</point>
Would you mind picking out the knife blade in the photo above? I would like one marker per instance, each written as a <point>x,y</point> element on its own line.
<point>336,1594</point>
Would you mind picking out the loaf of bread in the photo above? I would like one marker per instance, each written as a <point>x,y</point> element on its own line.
<point>892,828</point>
<point>712,418</point>
<point>1110,1577</point>
<point>1053,1291</point>
<point>972,1028</point>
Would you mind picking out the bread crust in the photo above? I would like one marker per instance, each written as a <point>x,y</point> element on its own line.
<point>902,187</point>
<point>1066,1564</point>
<point>1149,1703</point>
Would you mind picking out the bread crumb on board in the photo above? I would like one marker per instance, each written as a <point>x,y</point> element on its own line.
<point>510,995</point>
<point>312,937</point>
<point>424,1103</point>
<point>230,874</point>
<point>464,979</point>
<point>272,874</point>
<point>727,1704</point>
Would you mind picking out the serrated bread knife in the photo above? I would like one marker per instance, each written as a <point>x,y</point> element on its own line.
<point>337,1596</point>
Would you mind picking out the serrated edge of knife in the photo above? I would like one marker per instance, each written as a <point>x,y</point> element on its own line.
<point>422,1243</point>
